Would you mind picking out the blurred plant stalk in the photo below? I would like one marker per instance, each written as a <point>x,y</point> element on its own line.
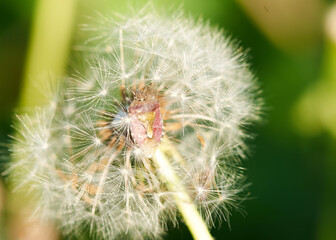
<point>49,46</point>
<point>51,34</point>
<point>2,206</point>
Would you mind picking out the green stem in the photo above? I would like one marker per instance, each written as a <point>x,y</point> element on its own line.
<point>48,48</point>
<point>47,54</point>
<point>193,220</point>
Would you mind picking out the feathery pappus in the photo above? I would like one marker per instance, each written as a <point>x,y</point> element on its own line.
<point>146,81</point>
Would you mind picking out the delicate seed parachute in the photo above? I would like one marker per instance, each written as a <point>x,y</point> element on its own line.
<point>146,81</point>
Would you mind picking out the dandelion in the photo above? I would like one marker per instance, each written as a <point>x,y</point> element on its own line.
<point>154,124</point>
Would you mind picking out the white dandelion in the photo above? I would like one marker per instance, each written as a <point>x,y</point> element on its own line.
<point>154,125</point>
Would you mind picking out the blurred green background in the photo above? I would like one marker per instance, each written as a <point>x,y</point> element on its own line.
<point>292,165</point>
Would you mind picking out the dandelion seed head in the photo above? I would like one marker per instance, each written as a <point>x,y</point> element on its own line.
<point>148,81</point>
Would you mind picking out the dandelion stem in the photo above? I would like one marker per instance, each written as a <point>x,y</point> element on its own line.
<point>184,203</point>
